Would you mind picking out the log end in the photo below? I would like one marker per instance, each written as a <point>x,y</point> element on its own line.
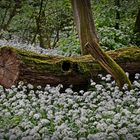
<point>9,67</point>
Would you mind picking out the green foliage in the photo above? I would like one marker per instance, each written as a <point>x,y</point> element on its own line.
<point>105,19</point>
<point>56,23</point>
<point>9,121</point>
<point>57,16</point>
<point>69,45</point>
<point>111,38</point>
<point>136,38</point>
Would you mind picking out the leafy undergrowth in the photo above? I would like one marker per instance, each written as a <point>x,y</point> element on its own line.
<point>101,113</point>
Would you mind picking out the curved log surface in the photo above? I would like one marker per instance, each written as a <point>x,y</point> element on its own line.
<point>20,65</point>
<point>9,67</point>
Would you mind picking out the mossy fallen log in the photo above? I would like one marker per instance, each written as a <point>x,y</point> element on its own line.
<point>20,65</point>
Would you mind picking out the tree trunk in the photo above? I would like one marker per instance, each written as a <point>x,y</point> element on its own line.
<point>137,29</point>
<point>89,41</point>
<point>41,31</point>
<point>117,4</point>
<point>137,23</point>
<point>18,65</point>
<point>13,13</point>
<point>84,22</point>
<point>4,17</point>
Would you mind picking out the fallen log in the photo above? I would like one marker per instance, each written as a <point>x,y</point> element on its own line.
<point>20,65</point>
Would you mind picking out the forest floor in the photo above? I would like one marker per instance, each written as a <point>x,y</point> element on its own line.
<point>101,113</point>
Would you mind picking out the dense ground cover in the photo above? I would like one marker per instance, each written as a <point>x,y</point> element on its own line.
<point>102,112</point>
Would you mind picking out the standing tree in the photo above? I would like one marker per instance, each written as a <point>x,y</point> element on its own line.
<point>117,4</point>
<point>137,28</point>
<point>43,36</point>
<point>13,11</point>
<point>89,41</point>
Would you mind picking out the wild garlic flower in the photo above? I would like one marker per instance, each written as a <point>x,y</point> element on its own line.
<point>123,131</point>
<point>69,91</point>
<point>27,138</point>
<point>137,76</point>
<point>130,137</point>
<point>98,136</point>
<point>36,116</point>
<point>113,135</point>
<point>110,128</point>
<point>13,137</point>
<point>30,86</point>
<point>136,84</point>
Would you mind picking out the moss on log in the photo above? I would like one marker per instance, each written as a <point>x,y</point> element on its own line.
<point>20,65</point>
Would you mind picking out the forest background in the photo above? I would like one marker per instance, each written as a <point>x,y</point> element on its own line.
<point>50,24</point>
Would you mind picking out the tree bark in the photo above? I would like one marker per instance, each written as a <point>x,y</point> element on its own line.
<point>13,13</point>
<point>117,4</point>
<point>89,41</point>
<point>137,29</point>
<point>43,34</point>
<point>4,16</point>
<point>84,22</point>
<point>18,65</point>
<point>137,23</point>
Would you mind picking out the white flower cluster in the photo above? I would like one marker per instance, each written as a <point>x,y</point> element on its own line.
<point>29,47</point>
<point>101,113</point>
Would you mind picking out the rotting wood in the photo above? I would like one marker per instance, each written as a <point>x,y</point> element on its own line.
<point>20,65</point>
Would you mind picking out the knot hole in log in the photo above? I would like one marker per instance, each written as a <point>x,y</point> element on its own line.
<point>66,65</point>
